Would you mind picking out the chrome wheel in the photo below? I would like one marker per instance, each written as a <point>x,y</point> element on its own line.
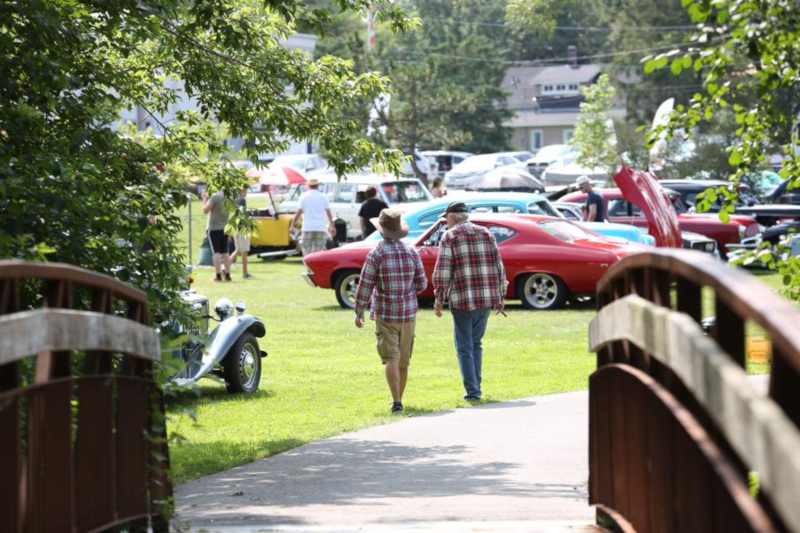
<point>542,291</point>
<point>346,287</point>
<point>248,366</point>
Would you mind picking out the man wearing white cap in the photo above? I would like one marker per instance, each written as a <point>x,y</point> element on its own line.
<point>595,210</point>
<point>314,208</point>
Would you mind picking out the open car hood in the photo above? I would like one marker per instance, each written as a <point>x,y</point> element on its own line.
<point>643,190</point>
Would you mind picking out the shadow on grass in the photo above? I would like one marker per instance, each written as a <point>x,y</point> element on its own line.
<point>218,456</point>
<point>204,394</point>
<point>341,472</point>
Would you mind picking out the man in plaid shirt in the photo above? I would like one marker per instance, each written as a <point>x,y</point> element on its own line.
<point>469,274</point>
<point>390,281</point>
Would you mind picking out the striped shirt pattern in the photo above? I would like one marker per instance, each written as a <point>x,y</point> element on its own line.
<point>390,280</point>
<point>469,272</point>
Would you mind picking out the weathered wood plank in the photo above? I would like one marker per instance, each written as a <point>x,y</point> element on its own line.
<point>755,426</point>
<point>30,332</point>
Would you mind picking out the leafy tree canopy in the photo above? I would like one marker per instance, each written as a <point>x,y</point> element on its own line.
<point>75,188</point>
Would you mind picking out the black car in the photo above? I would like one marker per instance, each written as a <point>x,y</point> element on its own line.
<point>689,189</point>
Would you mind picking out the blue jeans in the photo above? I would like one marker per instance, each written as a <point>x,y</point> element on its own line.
<point>469,327</point>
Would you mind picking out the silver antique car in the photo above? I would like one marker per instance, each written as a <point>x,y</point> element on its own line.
<point>230,349</point>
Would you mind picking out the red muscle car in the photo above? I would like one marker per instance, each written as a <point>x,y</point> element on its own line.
<point>635,201</point>
<point>547,259</point>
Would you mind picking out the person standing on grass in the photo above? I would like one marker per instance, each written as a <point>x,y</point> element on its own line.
<point>390,280</point>
<point>314,208</point>
<point>371,208</point>
<point>470,275</point>
<point>215,229</point>
<point>242,239</point>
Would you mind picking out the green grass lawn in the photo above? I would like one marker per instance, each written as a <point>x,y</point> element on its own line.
<point>322,376</point>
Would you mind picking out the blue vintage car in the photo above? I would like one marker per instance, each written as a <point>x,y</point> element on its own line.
<point>420,219</point>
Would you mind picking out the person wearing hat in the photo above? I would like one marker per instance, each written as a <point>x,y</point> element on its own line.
<point>595,211</point>
<point>390,280</point>
<point>314,208</point>
<point>470,276</point>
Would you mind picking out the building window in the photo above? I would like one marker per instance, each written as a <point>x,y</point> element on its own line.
<point>537,140</point>
<point>567,135</point>
<point>560,88</point>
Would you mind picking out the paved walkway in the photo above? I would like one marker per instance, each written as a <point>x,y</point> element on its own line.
<point>510,467</point>
<point>496,467</point>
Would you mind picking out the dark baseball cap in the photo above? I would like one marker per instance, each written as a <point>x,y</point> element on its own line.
<point>456,207</point>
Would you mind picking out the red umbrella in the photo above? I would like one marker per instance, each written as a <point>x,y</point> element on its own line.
<point>271,176</point>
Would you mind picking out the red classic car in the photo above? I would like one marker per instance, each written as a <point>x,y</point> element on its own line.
<point>546,259</point>
<point>634,203</point>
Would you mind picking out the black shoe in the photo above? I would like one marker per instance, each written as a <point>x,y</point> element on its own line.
<point>397,407</point>
<point>470,398</point>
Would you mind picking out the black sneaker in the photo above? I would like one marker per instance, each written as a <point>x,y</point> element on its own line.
<point>397,407</point>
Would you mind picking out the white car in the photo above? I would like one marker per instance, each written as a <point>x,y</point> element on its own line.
<point>475,167</point>
<point>546,156</point>
<point>445,159</point>
<point>347,195</point>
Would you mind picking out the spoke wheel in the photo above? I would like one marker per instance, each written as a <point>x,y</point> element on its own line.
<point>242,365</point>
<point>542,291</point>
<point>346,285</point>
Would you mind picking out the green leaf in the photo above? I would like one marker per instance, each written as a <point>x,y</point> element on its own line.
<point>735,158</point>
<point>676,66</point>
<point>649,66</point>
<point>724,217</point>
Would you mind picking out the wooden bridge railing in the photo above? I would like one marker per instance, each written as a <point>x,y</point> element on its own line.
<point>676,429</point>
<point>82,438</point>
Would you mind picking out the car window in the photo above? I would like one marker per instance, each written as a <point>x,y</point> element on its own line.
<point>405,192</point>
<point>618,207</point>
<point>434,238</point>
<point>542,207</point>
<point>481,209</point>
<point>430,219</point>
<point>346,192</point>
<point>508,209</point>
<point>502,233</point>
<point>566,231</point>
<point>569,214</point>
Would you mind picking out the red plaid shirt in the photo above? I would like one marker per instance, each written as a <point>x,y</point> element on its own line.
<point>391,278</point>
<point>469,272</point>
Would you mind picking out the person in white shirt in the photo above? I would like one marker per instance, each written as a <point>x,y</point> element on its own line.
<point>314,208</point>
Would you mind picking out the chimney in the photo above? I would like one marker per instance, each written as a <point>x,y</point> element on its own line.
<point>572,56</point>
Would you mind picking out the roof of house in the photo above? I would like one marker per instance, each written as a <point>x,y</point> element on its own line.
<point>530,76</point>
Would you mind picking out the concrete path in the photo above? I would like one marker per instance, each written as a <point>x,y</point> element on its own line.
<point>493,467</point>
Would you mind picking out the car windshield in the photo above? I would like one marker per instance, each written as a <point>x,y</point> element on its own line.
<point>522,156</point>
<point>399,192</point>
<point>565,231</point>
<point>297,163</point>
<point>553,151</point>
<point>543,207</point>
<point>476,163</point>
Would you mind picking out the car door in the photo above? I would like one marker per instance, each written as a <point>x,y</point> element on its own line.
<point>344,206</point>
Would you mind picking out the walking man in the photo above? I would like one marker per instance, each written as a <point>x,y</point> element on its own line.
<point>371,208</point>
<point>314,208</point>
<point>469,275</point>
<point>390,281</point>
<point>242,239</point>
<point>595,211</point>
<point>215,229</point>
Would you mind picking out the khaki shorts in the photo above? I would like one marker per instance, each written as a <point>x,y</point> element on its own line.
<point>313,241</point>
<point>242,242</point>
<point>395,341</point>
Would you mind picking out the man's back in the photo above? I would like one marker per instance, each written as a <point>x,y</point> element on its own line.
<point>469,270</point>
<point>391,278</point>
<point>314,203</point>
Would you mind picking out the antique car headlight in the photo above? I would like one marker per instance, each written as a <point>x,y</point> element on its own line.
<point>240,307</point>
<point>742,231</point>
<point>224,308</point>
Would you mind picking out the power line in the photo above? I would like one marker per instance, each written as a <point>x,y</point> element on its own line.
<point>549,61</point>
<point>563,28</point>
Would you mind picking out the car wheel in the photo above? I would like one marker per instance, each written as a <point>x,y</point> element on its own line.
<point>242,365</point>
<point>541,291</point>
<point>345,287</point>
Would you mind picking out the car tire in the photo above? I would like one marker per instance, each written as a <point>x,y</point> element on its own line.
<point>541,291</point>
<point>242,365</point>
<point>345,288</point>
